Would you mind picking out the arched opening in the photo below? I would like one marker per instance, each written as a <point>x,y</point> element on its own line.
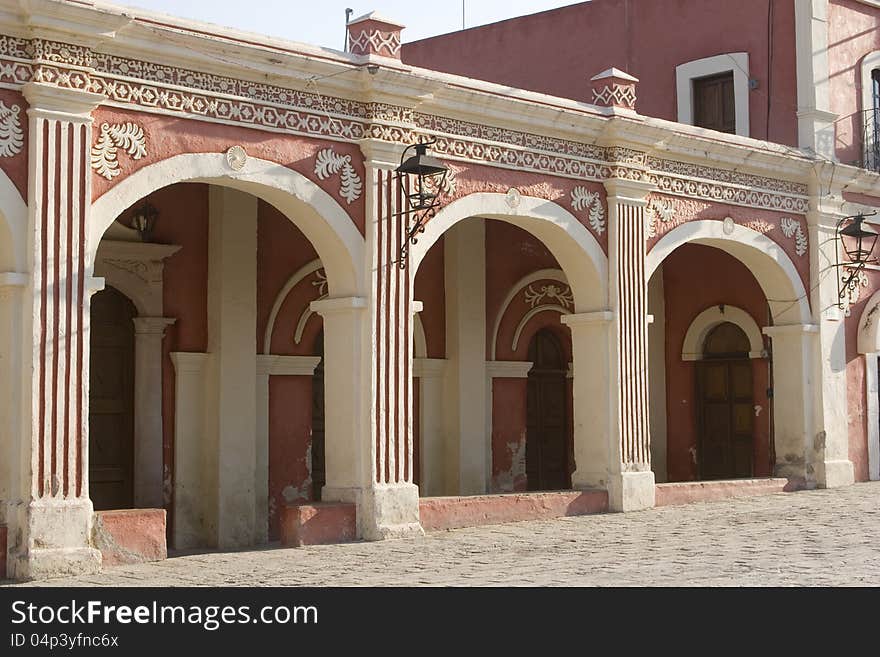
<point>547,410</point>
<point>111,401</point>
<point>711,370</point>
<point>725,415</point>
<point>237,365</point>
<point>491,278</point>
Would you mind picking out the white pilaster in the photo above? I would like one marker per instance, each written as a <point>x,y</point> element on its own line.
<point>468,459</point>
<point>657,373</point>
<point>191,491</point>
<point>231,403</point>
<point>815,119</point>
<point>827,397</point>
<point>431,372</point>
<point>148,460</point>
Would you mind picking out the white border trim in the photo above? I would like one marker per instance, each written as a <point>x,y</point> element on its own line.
<point>324,222</point>
<point>575,248</point>
<point>292,282</point>
<point>698,331</point>
<point>540,275</point>
<point>872,413</point>
<point>528,316</point>
<point>769,263</point>
<point>685,74</point>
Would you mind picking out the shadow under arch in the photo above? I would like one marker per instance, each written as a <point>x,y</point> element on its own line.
<point>769,263</point>
<point>578,253</point>
<point>329,228</point>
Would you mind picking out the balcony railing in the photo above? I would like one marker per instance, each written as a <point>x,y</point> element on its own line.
<point>871,141</point>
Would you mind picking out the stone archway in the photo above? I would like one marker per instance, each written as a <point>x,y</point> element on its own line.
<point>792,333</point>
<point>230,509</point>
<point>473,379</point>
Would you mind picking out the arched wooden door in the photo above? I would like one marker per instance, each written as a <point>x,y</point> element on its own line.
<point>319,477</point>
<point>546,425</point>
<point>111,401</point>
<point>726,405</point>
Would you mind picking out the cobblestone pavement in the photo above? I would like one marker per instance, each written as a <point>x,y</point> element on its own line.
<point>823,537</point>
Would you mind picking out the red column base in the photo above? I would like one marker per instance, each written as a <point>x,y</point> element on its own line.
<point>319,523</point>
<point>130,536</point>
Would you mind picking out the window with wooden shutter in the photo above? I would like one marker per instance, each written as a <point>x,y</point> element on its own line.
<point>714,106</point>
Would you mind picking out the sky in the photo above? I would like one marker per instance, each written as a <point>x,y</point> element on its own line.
<point>322,22</point>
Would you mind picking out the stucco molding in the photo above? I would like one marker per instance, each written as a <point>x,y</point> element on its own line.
<point>515,289</point>
<point>702,325</point>
<point>526,318</point>
<point>313,267</point>
<point>734,62</point>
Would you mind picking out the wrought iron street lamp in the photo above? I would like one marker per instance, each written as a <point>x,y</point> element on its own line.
<point>422,180</point>
<point>144,219</point>
<point>858,241</point>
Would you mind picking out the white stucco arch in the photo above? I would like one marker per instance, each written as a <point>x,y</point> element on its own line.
<point>317,214</point>
<point>699,330</point>
<point>579,253</point>
<point>299,275</point>
<point>768,262</point>
<point>13,227</point>
<point>869,346</point>
<point>869,332</point>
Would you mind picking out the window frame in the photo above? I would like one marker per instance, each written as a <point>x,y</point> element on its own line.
<point>736,63</point>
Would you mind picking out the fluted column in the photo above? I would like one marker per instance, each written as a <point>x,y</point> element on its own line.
<point>631,482</point>
<point>390,504</point>
<point>52,513</point>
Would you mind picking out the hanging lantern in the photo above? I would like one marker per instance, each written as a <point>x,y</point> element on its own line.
<point>422,180</point>
<point>144,219</point>
<point>859,245</point>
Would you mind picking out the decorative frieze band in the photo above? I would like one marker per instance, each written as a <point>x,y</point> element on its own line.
<point>158,88</point>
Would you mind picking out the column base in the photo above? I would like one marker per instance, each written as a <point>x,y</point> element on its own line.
<point>631,491</point>
<point>50,538</point>
<point>390,511</point>
<point>834,474</point>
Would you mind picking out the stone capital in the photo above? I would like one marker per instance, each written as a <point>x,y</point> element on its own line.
<point>381,154</point>
<point>629,192</point>
<point>49,101</point>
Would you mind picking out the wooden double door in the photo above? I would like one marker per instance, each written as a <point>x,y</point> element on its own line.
<point>726,411</point>
<point>547,442</point>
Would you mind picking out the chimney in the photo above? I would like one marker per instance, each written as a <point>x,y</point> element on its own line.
<point>372,34</point>
<point>614,88</point>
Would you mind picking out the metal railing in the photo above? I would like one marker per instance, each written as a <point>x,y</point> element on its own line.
<point>871,140</point>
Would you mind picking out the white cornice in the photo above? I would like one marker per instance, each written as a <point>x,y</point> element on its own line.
<point>208,48</point>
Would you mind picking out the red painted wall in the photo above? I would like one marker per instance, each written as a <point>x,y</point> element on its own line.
<point>558,51</point>
<point>282,250</point>
<point>853,32</point>
<point>430,289</point>
<point>508,435</point>
<point>695,278</point>
<point>168,136</point>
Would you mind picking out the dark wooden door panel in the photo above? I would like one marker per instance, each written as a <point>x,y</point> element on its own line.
<point>111,401</point>
<point>319,476</point>
<point>547,446</point>
<point>725,414</point>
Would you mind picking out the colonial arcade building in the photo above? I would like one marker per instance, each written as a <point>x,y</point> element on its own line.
<point>213,322</point>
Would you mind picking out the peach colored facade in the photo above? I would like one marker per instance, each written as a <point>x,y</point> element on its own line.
<point>550,323</point>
